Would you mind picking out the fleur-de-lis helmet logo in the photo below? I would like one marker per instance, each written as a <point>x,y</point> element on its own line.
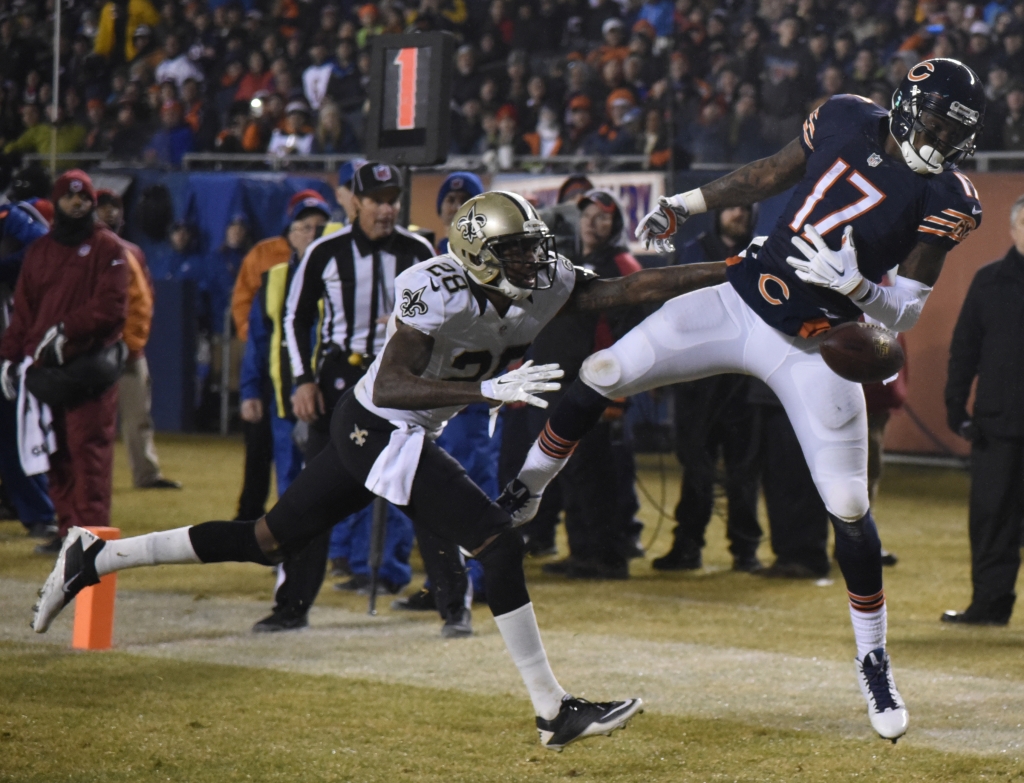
<point>472,225</point>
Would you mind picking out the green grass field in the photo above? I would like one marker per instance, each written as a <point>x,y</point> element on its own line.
<point>744,678</point>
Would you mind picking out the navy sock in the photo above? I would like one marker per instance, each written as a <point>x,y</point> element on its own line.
<point>859,553</point>
<point>577,412</point>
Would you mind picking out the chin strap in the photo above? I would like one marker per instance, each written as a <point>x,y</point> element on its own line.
<point>920,160</point>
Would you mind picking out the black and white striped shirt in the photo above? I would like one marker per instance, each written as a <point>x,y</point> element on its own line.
<point>355,278</point>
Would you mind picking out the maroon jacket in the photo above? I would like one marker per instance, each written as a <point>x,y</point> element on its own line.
<point>85,287</point>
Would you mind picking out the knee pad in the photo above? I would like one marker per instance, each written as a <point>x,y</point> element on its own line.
<point>846,500</point>
<point>601,370</point>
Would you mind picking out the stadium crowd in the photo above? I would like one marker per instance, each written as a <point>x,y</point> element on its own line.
<point>715,81</point>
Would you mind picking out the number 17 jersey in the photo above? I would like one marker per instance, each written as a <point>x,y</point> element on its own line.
<point>851,180</point>
<point>472,341</point>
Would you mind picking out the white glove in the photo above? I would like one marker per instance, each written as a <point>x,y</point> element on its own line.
<point>519,385</point>
<point>51,347</point>
<point>658,225</point>
<point>9,380</point>
<point>833,269</point>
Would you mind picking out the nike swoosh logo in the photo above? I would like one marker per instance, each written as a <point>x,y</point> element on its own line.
<point>68,583</point>
<point>435,286</point>
<point>975,211</point>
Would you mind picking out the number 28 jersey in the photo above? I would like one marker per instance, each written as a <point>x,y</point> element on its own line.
<point>471,341</point>
<point>851,180</point>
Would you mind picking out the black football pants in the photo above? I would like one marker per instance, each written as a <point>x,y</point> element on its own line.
<point>444,501</point>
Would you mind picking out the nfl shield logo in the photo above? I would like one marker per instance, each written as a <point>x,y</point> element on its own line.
<point>457,184</point>
<point>874,159</point>
<point>382,173</point>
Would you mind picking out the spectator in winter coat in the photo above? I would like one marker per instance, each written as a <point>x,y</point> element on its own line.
<point>70,303</point>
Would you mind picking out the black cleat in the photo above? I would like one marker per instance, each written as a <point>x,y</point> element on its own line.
<point>281,621</point>
<point>518,502</point>
<point>686,557</point>
<point>972,617</point>
<point>74,570</point>
<point>161,483</point>
<point>421,601</point>
<point>748,564</point>
<point>458,625</point>
<point>579,718</point>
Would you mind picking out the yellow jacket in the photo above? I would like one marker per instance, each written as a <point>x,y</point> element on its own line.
<point>270,252</point>
<point>139,12</point>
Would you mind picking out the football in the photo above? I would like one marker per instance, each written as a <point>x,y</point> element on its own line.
<point>863,353</point>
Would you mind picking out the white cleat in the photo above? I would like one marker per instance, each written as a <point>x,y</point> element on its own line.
<point>74,570</point>
<point>888,713</point>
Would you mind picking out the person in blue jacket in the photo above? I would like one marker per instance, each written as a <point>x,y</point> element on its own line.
<point>21,224</point>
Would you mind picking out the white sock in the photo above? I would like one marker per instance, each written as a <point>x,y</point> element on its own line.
<point>167,546</point>
<point>522,639</point>
<point>868,630</point>
<point>540,468</point>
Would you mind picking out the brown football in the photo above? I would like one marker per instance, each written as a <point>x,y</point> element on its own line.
<point>863,353</point>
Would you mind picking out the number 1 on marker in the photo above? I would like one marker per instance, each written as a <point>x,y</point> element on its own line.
<point>406,62</point>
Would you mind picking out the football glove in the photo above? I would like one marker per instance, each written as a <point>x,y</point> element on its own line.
<point>50,350</point>
<point>658,225</point>
<point>9,380</point>
<point>833,269</point>
<point>520,384</point>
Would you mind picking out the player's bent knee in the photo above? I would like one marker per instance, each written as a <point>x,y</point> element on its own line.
<point>846,500</point>
<point>601,370</point>
<point>502,560</point>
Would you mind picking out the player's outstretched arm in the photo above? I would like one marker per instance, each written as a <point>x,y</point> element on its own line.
<point>747,185</point>
<point>757,180</point>
<point>648,286</point>
<point>400,385</point>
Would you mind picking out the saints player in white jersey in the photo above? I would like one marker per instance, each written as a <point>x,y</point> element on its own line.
<point>459,319</point>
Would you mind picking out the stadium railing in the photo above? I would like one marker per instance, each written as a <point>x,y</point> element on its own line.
<point>981,162</point>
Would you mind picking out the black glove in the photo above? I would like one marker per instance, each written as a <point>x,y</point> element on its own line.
<point>970,431</point>
<point>50,351</point>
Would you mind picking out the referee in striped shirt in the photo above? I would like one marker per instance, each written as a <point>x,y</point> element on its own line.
<point>352,272</point>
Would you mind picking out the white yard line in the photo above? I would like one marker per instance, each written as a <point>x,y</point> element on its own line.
<point>949,712</point>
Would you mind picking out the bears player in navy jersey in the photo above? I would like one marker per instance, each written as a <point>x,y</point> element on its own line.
<point>874,190</point>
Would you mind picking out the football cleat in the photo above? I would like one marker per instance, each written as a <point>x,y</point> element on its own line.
<point>74,570</point>
<point>518,502</point>
<point>458,625</point>
<point>579,718</point>
<point>886,709</point>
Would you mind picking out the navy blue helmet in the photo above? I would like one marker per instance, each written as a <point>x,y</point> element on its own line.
<point>952,92</point>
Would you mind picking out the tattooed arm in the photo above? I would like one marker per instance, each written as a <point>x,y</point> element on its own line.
<point>648,286</point>
<point>399,384</point>
<point>758,180</point>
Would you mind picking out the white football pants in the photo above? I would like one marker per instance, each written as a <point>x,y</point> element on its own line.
<point>713,331</point>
